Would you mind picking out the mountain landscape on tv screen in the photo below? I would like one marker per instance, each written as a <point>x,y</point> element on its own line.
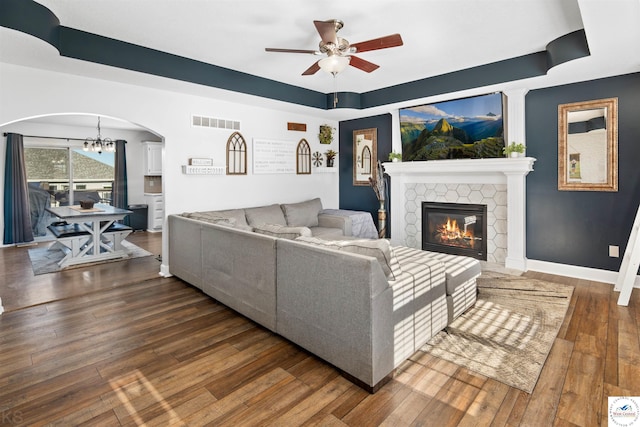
<point>428,133</point>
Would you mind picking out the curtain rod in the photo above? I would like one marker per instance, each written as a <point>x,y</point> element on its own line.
<point>52,137</point>
<point>47,137</point>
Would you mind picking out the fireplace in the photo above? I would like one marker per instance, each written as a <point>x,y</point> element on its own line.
<point>455,228</point>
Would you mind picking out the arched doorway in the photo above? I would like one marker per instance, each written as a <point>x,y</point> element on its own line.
<point>63,167</point>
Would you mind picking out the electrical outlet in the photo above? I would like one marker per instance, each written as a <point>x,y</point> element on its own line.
<point>614,251</point>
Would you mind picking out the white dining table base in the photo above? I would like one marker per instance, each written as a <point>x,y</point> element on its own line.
<point>94,236</point>
<point>80,248</point>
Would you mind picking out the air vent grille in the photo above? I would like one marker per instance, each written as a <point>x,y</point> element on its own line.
<point>213,122</point>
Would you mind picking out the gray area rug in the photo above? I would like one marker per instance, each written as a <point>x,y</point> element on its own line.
<point>45,260</point>
<point>508,334</point>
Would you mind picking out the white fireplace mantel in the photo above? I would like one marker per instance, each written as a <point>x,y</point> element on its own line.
<point>509,171</point>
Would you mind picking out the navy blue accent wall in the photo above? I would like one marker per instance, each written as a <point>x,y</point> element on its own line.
<point>576,227</point>
<point>362,198</point>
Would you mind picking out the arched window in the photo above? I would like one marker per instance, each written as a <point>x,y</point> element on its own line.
<point>303,160</point>
<point>236,155</point>
<point>366,160</point>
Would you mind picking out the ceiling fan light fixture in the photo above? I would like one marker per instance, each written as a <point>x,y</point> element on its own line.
<point>334,64</point>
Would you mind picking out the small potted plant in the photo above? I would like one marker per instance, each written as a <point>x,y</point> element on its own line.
<point>514,149</point>
<point>326,134</point>
<point>331,155</point>
<point>395,157</point>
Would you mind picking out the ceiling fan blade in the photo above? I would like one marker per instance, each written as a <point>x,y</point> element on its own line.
<point>273,49</point>
<point>312,70</point>
<point>362,64</point>
<point>327,31</point>
<point>393,40</point>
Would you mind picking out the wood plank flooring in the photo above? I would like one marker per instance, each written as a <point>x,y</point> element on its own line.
<point>116,344</point>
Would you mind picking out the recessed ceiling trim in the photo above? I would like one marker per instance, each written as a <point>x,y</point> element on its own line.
<point>32,18</point>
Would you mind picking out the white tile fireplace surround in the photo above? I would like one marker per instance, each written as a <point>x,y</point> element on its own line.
<point>498,183</point>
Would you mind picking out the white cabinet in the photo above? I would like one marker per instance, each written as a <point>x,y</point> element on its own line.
<point>152,158</point>
<point>155,218</point>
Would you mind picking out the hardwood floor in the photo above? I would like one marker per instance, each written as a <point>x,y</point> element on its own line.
<point>116,344</point>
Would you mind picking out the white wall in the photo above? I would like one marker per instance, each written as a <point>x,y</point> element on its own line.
<point>28,92</point>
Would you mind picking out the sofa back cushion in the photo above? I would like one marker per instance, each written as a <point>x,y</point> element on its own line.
<point>212,217</point>
<point>303,214</point>
<point>376,248</point>
<point>237,214</point>
<point>219,218</point>
<point>282,231</point>
<point>271,214</point>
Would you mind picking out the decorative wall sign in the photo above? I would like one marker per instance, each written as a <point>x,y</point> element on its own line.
<point>271,156</point>
<point>200,162</point>
<point>302,127</point>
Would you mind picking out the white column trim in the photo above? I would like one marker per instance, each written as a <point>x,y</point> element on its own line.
<point>513,171</point>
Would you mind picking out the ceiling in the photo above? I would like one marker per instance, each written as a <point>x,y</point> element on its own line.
<point>440,36</point>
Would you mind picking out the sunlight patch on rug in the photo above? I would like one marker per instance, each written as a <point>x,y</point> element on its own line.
<point>508,334</point>
<point>45,260</point>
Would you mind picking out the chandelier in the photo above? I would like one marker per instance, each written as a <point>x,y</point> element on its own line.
<point>99,144</point>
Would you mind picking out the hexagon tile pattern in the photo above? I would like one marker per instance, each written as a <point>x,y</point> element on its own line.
<point>492,195</point>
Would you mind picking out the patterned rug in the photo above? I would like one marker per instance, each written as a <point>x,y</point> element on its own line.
<point>45,260</point>
<point>508,334</point>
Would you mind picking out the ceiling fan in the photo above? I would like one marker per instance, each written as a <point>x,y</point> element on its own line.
<point>339,52</point>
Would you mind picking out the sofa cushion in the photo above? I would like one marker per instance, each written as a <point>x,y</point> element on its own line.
<point>326,232</point>
<point>213,217</point>
<point>271,214</point>
<point>376,248</point>
<point>282,231</point>
<point>303,214</point>
<point>238,214</point>
<point>459,269</point>
<point>233,218</point>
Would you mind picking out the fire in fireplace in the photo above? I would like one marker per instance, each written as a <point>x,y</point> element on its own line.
<point>455,228</point>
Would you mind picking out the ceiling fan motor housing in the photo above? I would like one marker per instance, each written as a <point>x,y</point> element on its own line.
<point>335,49</point>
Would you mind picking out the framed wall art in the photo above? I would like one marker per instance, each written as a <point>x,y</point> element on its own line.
<point>365,155</point>
<point>467,128</point>
<point>588,145</point>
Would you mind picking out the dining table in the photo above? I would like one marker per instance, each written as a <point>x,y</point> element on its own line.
<point>89,235</point>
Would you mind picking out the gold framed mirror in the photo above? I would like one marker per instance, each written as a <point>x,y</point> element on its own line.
<point>365,155</point>
<point>588,145</point>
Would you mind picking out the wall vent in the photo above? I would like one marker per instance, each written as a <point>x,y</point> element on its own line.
<point>212,122</point>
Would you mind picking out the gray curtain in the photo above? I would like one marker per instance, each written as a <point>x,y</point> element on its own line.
<point>17,215</point>
<point>120,189</point>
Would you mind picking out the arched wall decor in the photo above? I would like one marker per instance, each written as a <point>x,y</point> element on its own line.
<point>303,158</point>
<point>236,155</point>
<point>366,160</point>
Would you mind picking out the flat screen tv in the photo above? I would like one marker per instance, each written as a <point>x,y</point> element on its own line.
<point>467,128</point>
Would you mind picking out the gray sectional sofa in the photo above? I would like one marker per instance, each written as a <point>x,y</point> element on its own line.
<point>361,305</point>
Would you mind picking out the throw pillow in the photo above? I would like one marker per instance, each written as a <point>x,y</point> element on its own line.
<point>303,214</point>
<point>379,249</point>
<point>271,214</point>
<point>282,231</point>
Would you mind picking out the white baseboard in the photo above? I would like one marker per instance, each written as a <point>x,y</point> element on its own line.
<point>586,273</point>
<point>164,271</point>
